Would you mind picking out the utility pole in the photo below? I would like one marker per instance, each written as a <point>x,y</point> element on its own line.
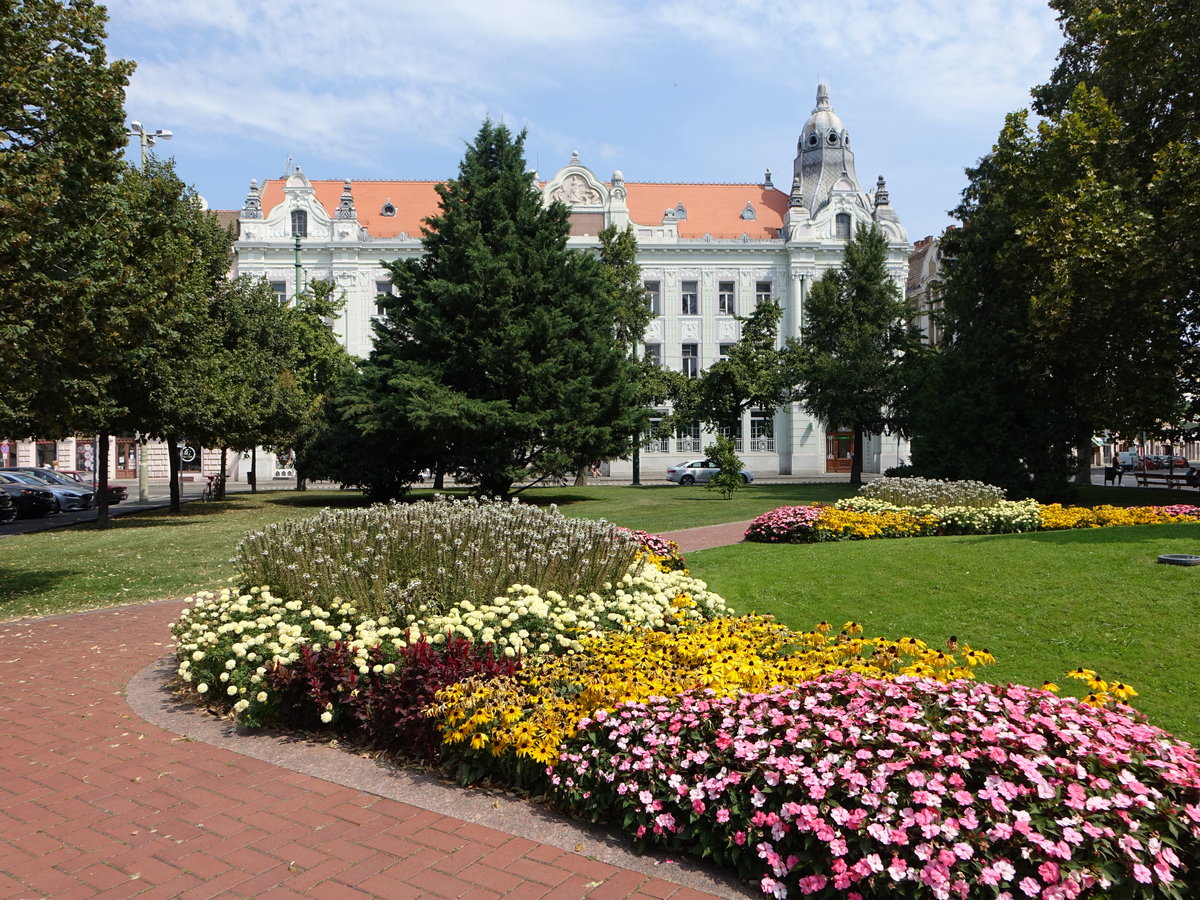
<point>146,139</point>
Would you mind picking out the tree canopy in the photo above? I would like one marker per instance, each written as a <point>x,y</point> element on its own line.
<point>61,136</point>
<point>757,373</point>
<point>1071,286</point>
<point>497,356</point>
<point>855,338</point>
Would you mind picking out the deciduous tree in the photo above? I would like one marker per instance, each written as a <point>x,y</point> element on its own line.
<point>854,339</point>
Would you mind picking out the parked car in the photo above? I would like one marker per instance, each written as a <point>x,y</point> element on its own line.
<point>72,479</point>
<point>65,498</point>
<point>8,509</point>
<point>1170,462</point>
<point>31,502</point>
<point>699,471</point>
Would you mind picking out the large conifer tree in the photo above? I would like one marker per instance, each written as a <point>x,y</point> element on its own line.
<point>498,355</point>
<point>855,338</point>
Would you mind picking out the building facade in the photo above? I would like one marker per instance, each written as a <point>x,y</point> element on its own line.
<point>708,253</point>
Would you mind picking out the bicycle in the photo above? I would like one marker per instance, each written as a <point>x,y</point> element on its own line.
<point>210,490</point>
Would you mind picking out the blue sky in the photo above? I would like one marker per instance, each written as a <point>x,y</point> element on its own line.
<point>664,90</point>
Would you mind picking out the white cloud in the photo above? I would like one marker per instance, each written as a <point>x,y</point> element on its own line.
<point>663,89</point>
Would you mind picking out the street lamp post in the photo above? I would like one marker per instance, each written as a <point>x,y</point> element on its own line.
<point>145,139</point>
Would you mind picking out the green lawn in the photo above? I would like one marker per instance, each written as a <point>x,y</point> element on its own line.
<point>1042,603</point>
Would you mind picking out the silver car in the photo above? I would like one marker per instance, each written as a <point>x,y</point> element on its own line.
<point>699,471</point>
<point>66,498</point>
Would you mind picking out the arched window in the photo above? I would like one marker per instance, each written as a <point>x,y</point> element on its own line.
<point>299,223</point>
<point>841,226</point>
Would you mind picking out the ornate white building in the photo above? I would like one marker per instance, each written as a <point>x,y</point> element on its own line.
<point>708,253</point>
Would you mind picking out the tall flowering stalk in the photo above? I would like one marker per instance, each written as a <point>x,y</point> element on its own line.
<point>392,560</point>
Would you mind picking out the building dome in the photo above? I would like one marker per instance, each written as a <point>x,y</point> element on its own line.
<point>824,161</point>
<point>824,127</point>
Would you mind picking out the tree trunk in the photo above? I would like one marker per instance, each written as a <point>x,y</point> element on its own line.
<point>1083,456</point>
<point>856,456</point>
<point>220,491</point>
<point>173,467</point>
<point>102,479</point>
<point>637,457</point>
<point>581,476</point>
<point>254,471</point>
<point>439,477</point>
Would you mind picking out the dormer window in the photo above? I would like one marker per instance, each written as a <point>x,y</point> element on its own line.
<point>832,137</point>
<point>388,209</point>
<point>680,212</point>
<point>299,223</point>
<point>748,213</point>
<point>812,140</point>
<point>841,226</point>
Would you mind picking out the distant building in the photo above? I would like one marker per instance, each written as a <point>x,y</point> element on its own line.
<point>923,291</point>
<point>708,252</point>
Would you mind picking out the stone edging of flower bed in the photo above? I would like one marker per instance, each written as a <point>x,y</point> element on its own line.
<point>150,698</point>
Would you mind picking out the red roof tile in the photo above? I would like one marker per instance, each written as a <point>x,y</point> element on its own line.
<point>714,209</point>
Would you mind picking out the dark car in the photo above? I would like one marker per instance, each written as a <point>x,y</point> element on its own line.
<point>31,502</point>
<point>8,509</point>
<point>65,498</point>
<point>72,479</point>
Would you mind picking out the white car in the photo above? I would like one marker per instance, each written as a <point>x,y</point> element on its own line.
<point>699,471</point>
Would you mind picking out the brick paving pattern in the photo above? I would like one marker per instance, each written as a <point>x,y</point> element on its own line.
<point>95,801</point>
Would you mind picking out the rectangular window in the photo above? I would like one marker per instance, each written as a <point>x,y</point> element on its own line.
<point>690,293</point>
<point>654,354</point>
<point>725,298</point>
<point>691,360</point>
<point>736,434</point>
<point>723,351</point>
<point>762,430</point>
<point>657,440</point>
<point>762,292</point>
<point>688,439</point>
<point>280,289</point>
<point>385,288</point>
<point>653,297</point>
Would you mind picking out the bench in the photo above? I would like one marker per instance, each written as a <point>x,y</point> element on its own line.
<point>1166,479</point>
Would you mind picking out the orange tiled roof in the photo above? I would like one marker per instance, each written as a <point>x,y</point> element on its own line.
<point>413,200</point>
<point>714,209</point>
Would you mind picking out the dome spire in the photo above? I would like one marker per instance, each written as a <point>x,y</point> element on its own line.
<point>822,98</point>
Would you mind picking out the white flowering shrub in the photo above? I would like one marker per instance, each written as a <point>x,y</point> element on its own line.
<point>526,619</point>
<point>1001,517</point>
<point>395,559</point>
<point>227,642</point>
<point>924,492</point>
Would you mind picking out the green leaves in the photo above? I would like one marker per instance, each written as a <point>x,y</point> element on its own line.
<point>498,355</point>
<point>855,341</point>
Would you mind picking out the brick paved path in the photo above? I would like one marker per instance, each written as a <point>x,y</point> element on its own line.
<point>95,801</point>
<point>708,536</point>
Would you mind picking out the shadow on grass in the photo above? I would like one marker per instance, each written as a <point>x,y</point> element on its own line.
<point>16,584</point>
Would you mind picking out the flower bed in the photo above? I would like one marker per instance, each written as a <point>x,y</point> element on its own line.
<point>856,787</point>
<point>859,519</point>
<point>810,762</point>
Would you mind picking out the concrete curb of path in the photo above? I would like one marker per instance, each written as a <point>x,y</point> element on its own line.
<point>150,698</point>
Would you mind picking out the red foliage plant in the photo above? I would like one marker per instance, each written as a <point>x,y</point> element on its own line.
<point>387,708</point>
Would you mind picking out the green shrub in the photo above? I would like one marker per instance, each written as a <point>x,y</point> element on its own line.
<point>393,560</point>
<point>722,454</point>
